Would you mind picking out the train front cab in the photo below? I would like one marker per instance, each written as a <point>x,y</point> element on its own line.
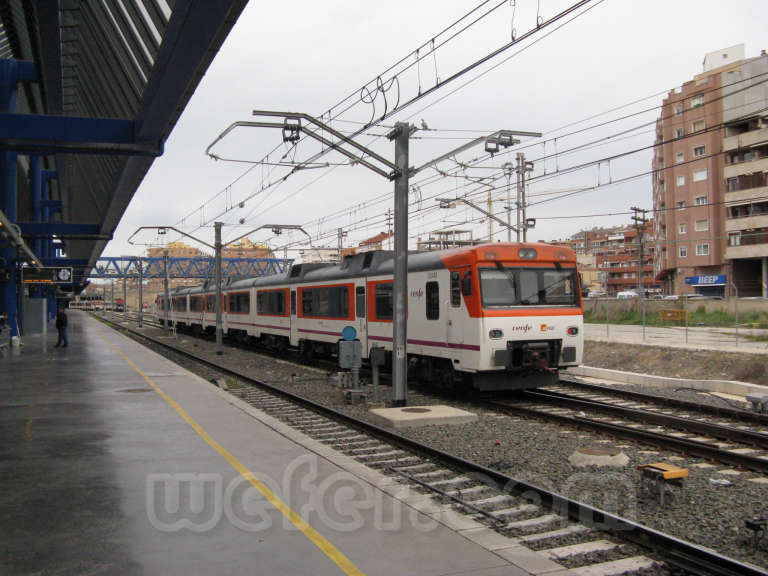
<point>525,301</point>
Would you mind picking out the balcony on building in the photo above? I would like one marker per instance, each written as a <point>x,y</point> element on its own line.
<point>746,133</point>
<point>748,242</point>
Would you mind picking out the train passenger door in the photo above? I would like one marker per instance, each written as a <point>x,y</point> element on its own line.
<point>361,318</point>
<point>294,316</point>
<point>455,315</point>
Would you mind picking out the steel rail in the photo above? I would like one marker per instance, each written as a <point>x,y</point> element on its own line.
<point>757,439</point>
<point>692,447</point>
<point>745,415</point>
<point>686,555</point>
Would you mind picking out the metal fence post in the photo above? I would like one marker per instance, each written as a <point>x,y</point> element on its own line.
<point>736,310</point>
<point>642,304</point>
<point>607,321</point>
<point>685,314</point>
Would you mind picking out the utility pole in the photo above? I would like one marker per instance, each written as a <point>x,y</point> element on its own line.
<point>508,167</point>
<point>112,314</point>
<point>490,222</point>
<point>401,135</point>
<point>640,222</point>
<point>519,170</point>
<point>141,291</point>
<point>341,234</point>
<point>217,278</point>
<point>104,300</point>
<point>167,295</point>
<point>125,296</point>
<point>522,168</point>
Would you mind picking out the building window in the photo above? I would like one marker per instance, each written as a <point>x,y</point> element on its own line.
<point>734,238</point>
<point>699,151</point>
<point>702,225</point>
<point>700,175</point>
<point>679,133</point>
<point>683,251</point>
<point>682,228</point>
<point>700,201</point>
<point>702,249</point>
<point>681,180</point>
<point>678,109</point>
<point>698,125</point>
<point>433,301</point>
<point>681,204</point>
<point>697,101</point>
<point>679,157</point>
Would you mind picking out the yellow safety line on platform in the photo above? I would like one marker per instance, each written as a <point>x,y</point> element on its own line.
<point>313,535</point>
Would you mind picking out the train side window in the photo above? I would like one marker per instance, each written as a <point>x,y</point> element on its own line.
<point>293,302</point>
<point>455,289</point>
<point>360,301</point>
<point>433,301</point>
<point>239,303</point>
<point>210,303</point>
<point>383,298</point>
<point>306,302</point>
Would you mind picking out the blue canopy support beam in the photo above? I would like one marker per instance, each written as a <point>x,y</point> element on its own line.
<point>36,133</point>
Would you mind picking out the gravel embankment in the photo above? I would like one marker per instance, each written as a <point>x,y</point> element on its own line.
<point>711,511</point>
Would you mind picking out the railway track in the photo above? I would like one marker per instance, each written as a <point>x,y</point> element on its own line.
<point>700,439</point>
<point>662,403</point>
<point>570,533</point>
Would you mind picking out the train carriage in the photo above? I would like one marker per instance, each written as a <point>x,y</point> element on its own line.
<point>496,316</point>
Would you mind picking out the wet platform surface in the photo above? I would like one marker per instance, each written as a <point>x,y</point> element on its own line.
<point>117,461</point>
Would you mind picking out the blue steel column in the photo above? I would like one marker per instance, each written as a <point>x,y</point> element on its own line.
<point>11,73</point>
<point>8,90</point>
<point>46,249</point>
<point>36,188</point>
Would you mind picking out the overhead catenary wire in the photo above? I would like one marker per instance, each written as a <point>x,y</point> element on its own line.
<point>384,197</point>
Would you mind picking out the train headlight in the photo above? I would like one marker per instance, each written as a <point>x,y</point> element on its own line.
<point>573,330</point>
<point>495,334</point>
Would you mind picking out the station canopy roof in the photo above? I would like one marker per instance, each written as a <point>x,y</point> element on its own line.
<point>129,60</point>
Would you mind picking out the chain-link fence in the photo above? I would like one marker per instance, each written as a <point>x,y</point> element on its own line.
<point>695,321</point>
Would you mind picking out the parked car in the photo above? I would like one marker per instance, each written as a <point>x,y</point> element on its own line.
<point>627,294</point>
<point>671,297</point>
<point>596,294</point>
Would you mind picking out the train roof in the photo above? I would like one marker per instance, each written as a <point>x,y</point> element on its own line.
<point>381,262</point>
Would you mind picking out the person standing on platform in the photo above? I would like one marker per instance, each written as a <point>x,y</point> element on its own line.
<point>61,326</point>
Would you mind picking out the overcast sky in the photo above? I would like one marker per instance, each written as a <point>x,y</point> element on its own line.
<point>308,56</point>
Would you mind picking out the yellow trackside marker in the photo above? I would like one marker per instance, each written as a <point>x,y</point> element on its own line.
<point>344,563</point>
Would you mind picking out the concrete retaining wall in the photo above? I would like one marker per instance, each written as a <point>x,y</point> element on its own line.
<point>615,307</point>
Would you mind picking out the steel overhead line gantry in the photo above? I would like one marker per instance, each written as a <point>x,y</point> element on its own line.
<point>399,172</point>
<point>217,247</point>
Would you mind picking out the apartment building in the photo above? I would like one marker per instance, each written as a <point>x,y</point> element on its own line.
<point>709,187</point>
<point>610,257</point>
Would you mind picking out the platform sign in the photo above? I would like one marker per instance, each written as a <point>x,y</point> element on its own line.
<point>710,280</point>
<point>47,275</point>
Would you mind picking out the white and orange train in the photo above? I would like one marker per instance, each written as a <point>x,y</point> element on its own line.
<point>496,316</point>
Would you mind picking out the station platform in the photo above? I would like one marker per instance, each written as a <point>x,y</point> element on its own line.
<point>117,461</point>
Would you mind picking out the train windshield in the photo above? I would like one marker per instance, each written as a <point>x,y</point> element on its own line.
<point>509,286</point>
